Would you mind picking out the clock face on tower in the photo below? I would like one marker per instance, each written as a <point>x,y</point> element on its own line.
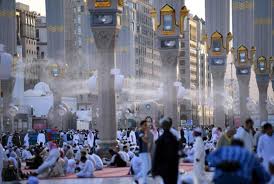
<point>169,44</point>
<point>103,19</point>
<point>218,61</point>
<point>243,71</point>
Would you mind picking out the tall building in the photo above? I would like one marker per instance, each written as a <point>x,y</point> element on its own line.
<point>26,37</point>
<point>137,55</point>
<point>8,32</point>
<point>194,72</point>
<point>8,38</point>
<point>41,36</point>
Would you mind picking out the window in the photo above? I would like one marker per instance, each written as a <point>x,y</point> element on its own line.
<point>37,33</point>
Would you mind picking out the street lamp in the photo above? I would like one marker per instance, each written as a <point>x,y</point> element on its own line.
<point>169,24</point>
<point>263,73</point>
<point>105,25</point>
<point>243,62</point>
<point>218,47</point>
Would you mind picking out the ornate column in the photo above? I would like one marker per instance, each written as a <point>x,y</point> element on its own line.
<point>105,25</point>
<point>105,43</point>
<point>169,64</point>
<point>262,70</point>
<point>169,20</point>
<point>243,66</point>
<point>218,48</point>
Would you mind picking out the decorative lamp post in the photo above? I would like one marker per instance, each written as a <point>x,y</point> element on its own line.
<point>105,25</point>
<point>243,62</point>
<point>218,48</point>
<point>262,70</point>
<point>169,23</point>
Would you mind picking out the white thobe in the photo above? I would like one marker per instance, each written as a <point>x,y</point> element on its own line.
<point>265,149</point>
<point>76,138</point>
<point>90,139</point>
<point>1,161</point>
<point>124,156</point>
<point>132,138</point>
<point>98,162</point>
<point>199,159</point>
<point>9,143</point>
<point>26,140</point>
<point>87,171</point>
<point>50,160</point>
<point>136,164</point>
<point>41,138</point>
<point>119,135</point>
<point>26,155</point>
<point>71,166</point>
<point>246,137</point>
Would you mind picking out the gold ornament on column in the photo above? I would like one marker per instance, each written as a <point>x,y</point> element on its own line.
<point>261,66</point>
<point>183,14</point>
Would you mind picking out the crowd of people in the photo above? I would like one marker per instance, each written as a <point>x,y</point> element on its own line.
<point>239,155</point>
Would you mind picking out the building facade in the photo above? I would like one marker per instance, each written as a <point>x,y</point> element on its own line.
<point>26,37</point>
<point>194,73</point>
<point>41,36</point>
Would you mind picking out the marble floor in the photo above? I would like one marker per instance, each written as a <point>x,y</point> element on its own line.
<point>122,180</point>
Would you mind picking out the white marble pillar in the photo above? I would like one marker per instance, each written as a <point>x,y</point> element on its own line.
<point>169,64</point>
<point>105,43</point>
<point>218,91</point>
<point>243,81</point>
<point>263,86</point>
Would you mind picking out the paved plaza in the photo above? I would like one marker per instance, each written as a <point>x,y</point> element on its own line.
<point>122,180</point>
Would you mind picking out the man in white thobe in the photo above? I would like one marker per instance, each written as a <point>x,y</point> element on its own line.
<point>265,149</point>
<point>136,167</point>
<point>90,140</point>
<point>245,134</point>
<point>41,138</point>
<point>98,162</point>
<point>199,156</point>
<point>132,137</point>
<point>1,159</point>
<point>76,138</point>
<point>54,154</point>
<point>26,140</point>
<point>87,168</point>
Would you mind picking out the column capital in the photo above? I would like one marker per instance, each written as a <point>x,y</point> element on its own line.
<point>104,37</point>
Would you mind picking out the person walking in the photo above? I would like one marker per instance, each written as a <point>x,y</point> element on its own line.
<point>245,134</point>
<point>166,158</point>
<point>226,138</point>
<point>145,155</point>
<point>265,149</point>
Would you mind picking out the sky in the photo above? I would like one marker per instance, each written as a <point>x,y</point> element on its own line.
<point>197,7</point>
